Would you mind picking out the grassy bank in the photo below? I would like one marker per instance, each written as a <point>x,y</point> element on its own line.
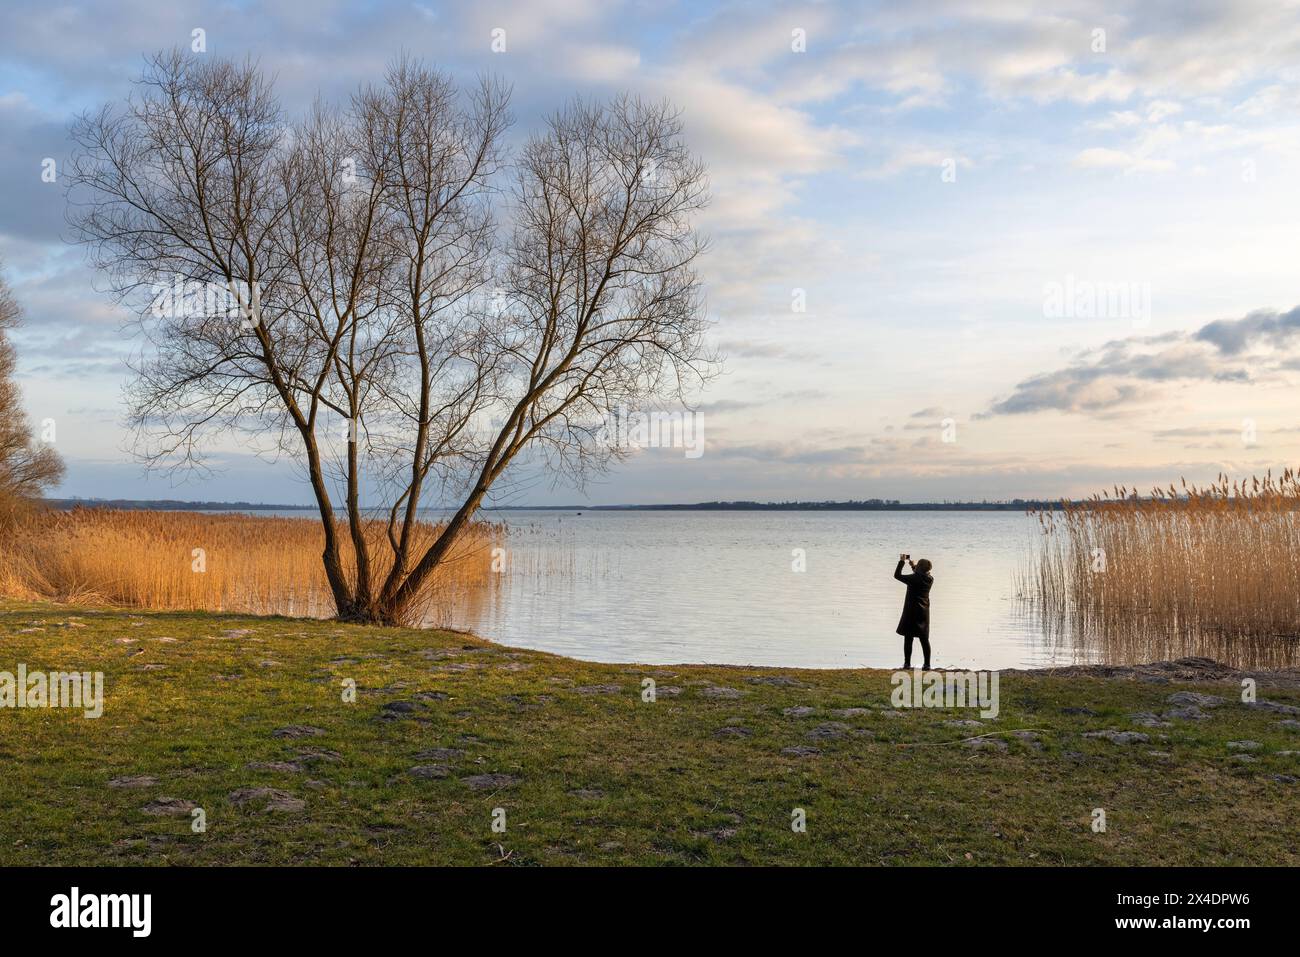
<point>211,711</point>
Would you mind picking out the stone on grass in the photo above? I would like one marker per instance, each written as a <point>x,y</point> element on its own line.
<point>279,767</point>
<point>719,692</point>
<point>1243,745</point>
<point>297,731</point>
<point>985,744</point>
<point>852,712</point>
<point>963,723</point>
<point>133,781</point>
<point>440,754</point>
<point>1146,719</point>
<point>1119,737</point>
<point>732,731</point>
<point>829,731</point>
<point>1196,698</point>
<point>489,782</point>
<point>798,711</point>
<point>429,771</point>
<point>1275,707</point>
<point>802,751</point>
<point>270,799</point>
<point>776,681</point>
<point>717,834</point>
<point>169,807</point>
<point>1290,724</point>
<point>308,755</point>
<point>1187,713</point>
<point>588,794</point>
<point>598,689</point>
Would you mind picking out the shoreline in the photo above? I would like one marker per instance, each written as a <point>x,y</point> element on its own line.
<point>1186,669</point>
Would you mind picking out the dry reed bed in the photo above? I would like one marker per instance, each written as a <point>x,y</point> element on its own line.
<point>205,561</point>
<point>1220,561</point>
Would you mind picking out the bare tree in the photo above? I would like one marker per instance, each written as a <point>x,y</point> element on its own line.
<point>27,468</point>
<point>360,246</point>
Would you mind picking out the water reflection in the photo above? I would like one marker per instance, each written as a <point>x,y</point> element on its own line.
<point>1139,641</point>
<point>672,587</point>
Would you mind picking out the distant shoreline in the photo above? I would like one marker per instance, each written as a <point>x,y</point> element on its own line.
<point>173,505</point>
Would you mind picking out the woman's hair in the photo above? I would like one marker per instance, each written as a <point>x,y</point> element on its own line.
<point>924,565</point>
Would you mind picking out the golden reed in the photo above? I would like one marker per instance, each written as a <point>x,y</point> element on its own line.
<point>207,561</point>
<point>1211,570</point>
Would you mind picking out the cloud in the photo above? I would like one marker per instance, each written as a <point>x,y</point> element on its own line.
<point>1125,372</point>
<point>31,209</point>
<point>1099,157</point>
<point>1234,336</point>
<point>918,157</point>
<point>723,406</point>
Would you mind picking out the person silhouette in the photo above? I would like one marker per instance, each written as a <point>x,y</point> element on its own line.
<point>915,621</point>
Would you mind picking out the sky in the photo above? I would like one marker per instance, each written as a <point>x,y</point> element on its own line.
<point>957,251</point>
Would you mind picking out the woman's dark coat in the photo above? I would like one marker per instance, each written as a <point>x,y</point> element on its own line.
<point>916,606</point>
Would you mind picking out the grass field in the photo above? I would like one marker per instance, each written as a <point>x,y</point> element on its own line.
<point>197,706</point>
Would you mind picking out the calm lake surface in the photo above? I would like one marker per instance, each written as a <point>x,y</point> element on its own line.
<point>719,587</point>
<point>679,587</point>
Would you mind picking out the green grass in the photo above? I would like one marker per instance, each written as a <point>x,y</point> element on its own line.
<point>600,778</point>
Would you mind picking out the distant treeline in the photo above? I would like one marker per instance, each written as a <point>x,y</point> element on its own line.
<point>865,505</point>
<point>168,505</point>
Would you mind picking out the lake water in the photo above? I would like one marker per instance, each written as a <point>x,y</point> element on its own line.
<point>674,587</point>
<point>677,587</point>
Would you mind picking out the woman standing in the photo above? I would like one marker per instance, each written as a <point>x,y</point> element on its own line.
<point>915,622</point>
